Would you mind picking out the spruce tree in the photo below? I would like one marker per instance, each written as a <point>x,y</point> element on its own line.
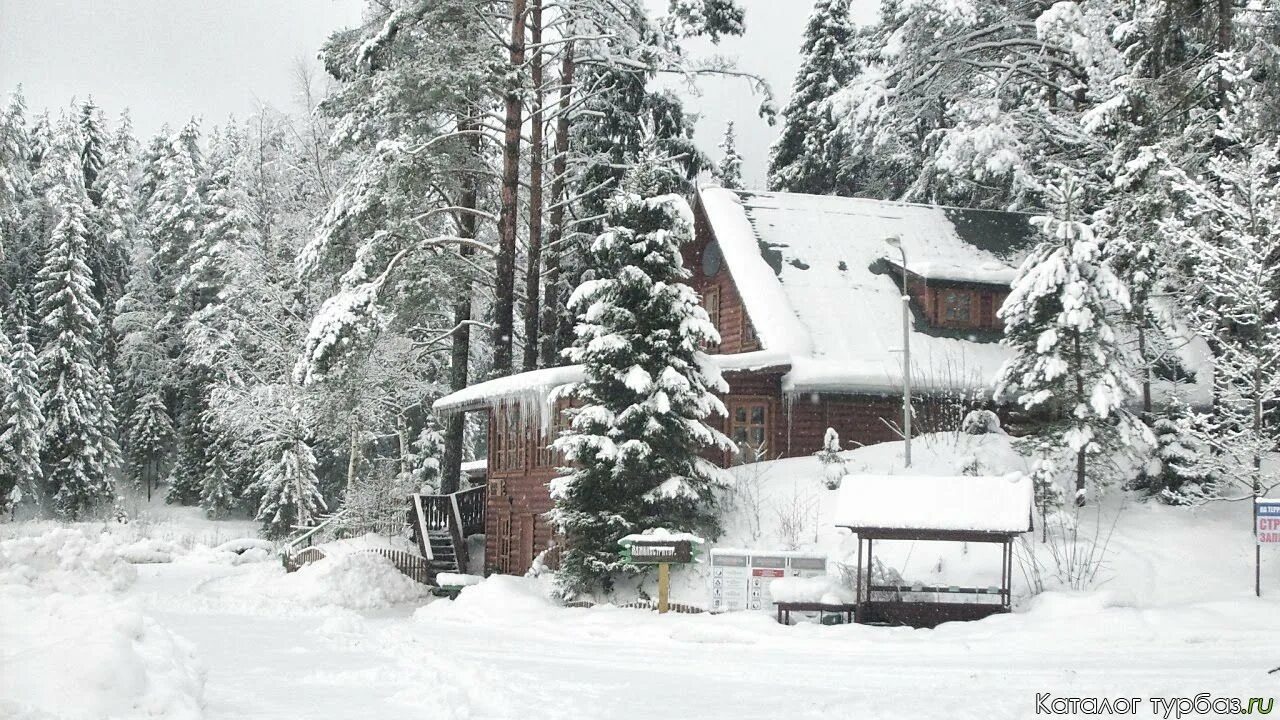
<point>729,169</point>
<point>1067,359</point>
<point>21,423</point>
<point>148,441</point>
<point>289,487</point>
<point>803,158</point>
<point>79,444</point>
<point>642,423</point>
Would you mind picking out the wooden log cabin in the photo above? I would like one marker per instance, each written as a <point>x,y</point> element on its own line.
<point>806,295</point>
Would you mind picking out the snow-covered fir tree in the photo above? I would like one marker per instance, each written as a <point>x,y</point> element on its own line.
<point>729,169</point>
<point>1179,475</point>
<point>1068,362</point>
<point>805,157</point>
<point>79,450</point>
<point>148,441</point>
<point>643,420</point>
<point>21,423</point>
<point>288,487</point>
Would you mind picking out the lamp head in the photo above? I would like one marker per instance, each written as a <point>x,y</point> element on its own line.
<point>893,241</point>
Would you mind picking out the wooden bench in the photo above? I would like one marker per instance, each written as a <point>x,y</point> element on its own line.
<point>786,608</point>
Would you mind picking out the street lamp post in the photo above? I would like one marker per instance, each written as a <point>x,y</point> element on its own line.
<point>896,242</point>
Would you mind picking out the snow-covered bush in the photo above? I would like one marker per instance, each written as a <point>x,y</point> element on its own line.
<point>832,464</point>
<point>981,422</point>
<point>357,581</point>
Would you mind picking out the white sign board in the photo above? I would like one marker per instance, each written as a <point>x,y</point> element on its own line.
<point>740,578</point>
<point>1267,517</point>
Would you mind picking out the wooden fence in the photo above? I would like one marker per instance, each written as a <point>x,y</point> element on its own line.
<point>642,605</point>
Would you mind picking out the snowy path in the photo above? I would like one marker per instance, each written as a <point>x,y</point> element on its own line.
<point>508,656</point>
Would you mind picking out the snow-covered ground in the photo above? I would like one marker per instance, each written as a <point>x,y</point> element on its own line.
<point>116,625</point>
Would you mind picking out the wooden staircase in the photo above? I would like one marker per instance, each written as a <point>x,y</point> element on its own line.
<point>441,525</point>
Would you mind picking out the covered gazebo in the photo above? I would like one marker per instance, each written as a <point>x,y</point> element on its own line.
<point>974,509</point>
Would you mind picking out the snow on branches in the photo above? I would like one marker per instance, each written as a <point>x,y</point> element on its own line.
<point>1068,360</point>
<point>636,438</point>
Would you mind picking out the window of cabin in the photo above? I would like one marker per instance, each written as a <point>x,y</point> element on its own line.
<point>957,307</point>
<point>508,437</point>
<point>749,337</point>
<point>547,456</point>
<point>711,301</point>
<point>749,425</point>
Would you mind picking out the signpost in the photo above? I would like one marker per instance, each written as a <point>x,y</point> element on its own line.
<point>661,548</point>
<point>1266,530</point>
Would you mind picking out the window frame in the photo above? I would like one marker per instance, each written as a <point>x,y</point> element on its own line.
<point>766,425</point>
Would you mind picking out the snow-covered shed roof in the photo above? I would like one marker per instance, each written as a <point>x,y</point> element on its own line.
<point>811,270</point>
<point>923,503</point>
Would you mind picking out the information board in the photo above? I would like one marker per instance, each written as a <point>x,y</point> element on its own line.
<point>740,578</point>
<point>1267,517</point>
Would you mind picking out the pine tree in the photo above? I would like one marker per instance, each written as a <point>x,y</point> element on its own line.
<point>729,170</point>
<point>636,438</point>
<point>21,422</point>
<point>289,488</point>
<point>148,441</point>
<point>803,158</point>
<point>1067,359</point>
<point>79,450</point>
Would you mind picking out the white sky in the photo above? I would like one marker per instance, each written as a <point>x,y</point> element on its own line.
<point>167,60</point>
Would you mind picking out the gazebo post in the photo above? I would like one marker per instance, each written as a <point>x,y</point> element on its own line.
<point>858,593</point>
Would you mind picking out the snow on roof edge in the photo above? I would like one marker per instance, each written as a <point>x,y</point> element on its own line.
<point>539,385</point>
<point>775,321</point>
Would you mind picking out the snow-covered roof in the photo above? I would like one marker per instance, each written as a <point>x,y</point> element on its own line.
<point>660,535</point>
<point>810,270</point>
<point>962,503</point>
<point>540,386</point>
<point>532,385</point>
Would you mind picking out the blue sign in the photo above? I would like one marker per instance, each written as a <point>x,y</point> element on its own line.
<point>1269,507</point>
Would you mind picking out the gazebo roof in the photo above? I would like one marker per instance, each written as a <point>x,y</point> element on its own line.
<point>924,507</point>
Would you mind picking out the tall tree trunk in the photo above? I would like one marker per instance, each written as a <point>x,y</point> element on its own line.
<point>508,219</point>
<point>353,453</point>
<point>460,352</point>
<point>551,306</point>
<point>1146,362</point>
<point>1080,398</point>
<point>534,270</point>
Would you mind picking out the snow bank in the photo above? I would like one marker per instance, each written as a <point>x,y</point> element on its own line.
<point>92,657</point>
<point>369,541</point>
<point>818,589</point>
<point>242,545</point>
<point>458,580</point>
<point>504,596</point>
<point>65,560</point>
<point>148,551</point>
<point>356,581</point>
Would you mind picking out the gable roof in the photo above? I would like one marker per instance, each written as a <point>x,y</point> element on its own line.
<point>811,273</point>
